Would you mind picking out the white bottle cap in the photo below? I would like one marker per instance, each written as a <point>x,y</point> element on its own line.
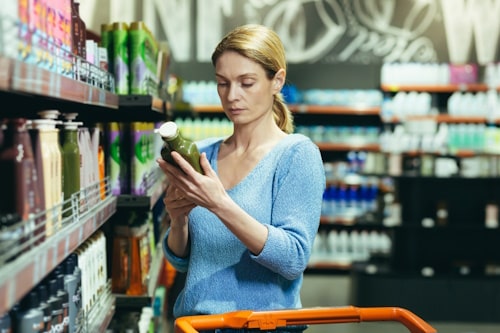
<point>70,116</point>
<point>44,123</point>
<point>72,125</point>
<point>49,114</point>
<point>167,130</point>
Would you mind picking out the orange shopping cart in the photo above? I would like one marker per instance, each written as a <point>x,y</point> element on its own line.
<point>276,319</point>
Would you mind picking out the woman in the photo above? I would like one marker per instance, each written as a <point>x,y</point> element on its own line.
<point>243,231</point>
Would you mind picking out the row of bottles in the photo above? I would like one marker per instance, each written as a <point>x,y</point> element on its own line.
<point>138,62</point>
<point>350,135</point>
<point>200,128</point>
<point>428,73</point>
<point>348,246</point>
<point>50,173</point>
<point>349,201</point>
<point>51,35</point>
<point>413,103</point>
<point>132,150</point>
<point>429,137</point>
<point>52,306</point>
<point>63,300</point>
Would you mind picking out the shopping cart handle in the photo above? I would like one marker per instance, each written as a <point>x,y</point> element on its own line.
<point>270,320</point>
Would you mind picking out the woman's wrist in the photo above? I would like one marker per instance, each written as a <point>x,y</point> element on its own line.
<point>179,223</point>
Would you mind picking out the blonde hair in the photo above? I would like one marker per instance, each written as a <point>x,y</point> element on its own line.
<point>262,45</point>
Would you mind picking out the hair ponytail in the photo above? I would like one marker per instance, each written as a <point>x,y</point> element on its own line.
<point>282,114</point>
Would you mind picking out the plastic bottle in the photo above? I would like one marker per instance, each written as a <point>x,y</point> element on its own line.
<point>121,57</point>
<point>55,302</point>
<point>45,308</point>
<point>71,161</point>
<point>113,153</point>
<point>36,137</point>
<point>17,166</point>
<point>175,142</point>
<point>5,323</point>
<point>77,297</point>
<point>63,296</point>
<point>143,51</point>
<point>48,122</point>
<point>29,318</point>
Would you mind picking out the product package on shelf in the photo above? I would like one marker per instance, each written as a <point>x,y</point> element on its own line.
<point>131,252</point>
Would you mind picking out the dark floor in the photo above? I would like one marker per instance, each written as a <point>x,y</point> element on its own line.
<point>318,291</point>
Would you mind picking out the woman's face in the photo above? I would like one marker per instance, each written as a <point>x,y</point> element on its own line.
<point>245,91</point>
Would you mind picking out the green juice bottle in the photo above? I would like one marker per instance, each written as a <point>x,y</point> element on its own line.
<point>175,142</point>
<point>71,161</point>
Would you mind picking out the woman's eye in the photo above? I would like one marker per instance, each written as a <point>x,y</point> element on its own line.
<point>247,85</point>
<point>221,84</point>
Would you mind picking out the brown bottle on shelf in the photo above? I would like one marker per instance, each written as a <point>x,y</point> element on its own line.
<point>136,285</point>
<point>120,264</point>
<point>17,165</point>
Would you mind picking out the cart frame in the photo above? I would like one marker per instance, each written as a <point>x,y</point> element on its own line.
<point>271,320</point>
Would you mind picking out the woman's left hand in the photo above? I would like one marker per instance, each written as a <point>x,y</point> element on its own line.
<point>204,190</point>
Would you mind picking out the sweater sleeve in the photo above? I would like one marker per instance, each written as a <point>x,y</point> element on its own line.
<point>180,264</point>
<point>298,191</point>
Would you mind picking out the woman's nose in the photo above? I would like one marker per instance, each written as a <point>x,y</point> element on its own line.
<point>232,92</point>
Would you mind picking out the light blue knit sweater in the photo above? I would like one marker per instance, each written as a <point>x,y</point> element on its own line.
<point>284,192</point>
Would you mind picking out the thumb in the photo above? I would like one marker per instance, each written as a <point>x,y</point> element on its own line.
<point>205,165</point>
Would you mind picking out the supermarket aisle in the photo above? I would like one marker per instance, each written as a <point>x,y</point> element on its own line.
<point>333,291</point>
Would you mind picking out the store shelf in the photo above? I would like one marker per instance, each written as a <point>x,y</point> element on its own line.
<point>361,110</point>
<point>19,276</point>
<point>444,118</point>
<point>134,303</point>
<point>147,201</point>
<point>328,267</point>
<point>449,88</point>
<point>142,108</point>
<point>31,88</point>
<point>102,312</point>
<point>329,146</point>
<point>23,78</point>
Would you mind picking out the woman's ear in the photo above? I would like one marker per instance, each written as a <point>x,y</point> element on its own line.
<point>279,80</point>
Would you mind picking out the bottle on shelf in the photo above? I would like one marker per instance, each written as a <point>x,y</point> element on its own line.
<point>53,184</point>
<point>71,162</point>
<point>56,304</point>
<point>17,165</point>
<point>29,317</point>
<point>45,307</point>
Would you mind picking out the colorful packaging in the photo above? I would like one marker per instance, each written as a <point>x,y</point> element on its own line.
<point>121,58</point>
<point>143,59</point>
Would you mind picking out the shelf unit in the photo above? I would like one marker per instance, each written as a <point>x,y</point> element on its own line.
<point>31,89</point>
<point>19,276</point>
<point>447,88</point>
<point>444,256</point>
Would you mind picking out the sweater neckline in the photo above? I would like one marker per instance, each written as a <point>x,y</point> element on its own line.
<point>276,149</point>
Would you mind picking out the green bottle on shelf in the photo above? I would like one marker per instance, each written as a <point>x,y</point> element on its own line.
<point>175,142</point>
<point>71,161</point>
